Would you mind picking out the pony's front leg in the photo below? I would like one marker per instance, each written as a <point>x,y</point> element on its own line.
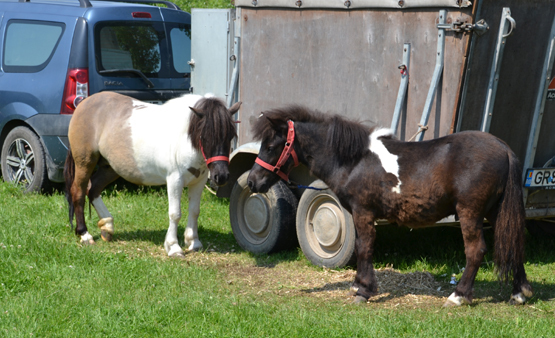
<point>365,284</point>
<point>175,190</point>
<point>191,232</point>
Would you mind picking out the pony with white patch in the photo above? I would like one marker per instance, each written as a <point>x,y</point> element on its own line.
<point>113,135</point>
<point>472,175</point>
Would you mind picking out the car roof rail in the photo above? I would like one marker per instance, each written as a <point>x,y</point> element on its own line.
<point>82,3</point>
<point>169,4</point>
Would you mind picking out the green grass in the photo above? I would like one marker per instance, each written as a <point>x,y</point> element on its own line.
<point>186,5</point>
<point>51,286</point>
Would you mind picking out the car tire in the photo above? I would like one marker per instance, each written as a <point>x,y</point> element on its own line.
<point>22,160</point>
<point>325,230</point>
<point>263,223</point>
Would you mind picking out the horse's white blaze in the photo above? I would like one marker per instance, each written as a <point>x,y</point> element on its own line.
<point>388,160</point>
<point>160,140</point>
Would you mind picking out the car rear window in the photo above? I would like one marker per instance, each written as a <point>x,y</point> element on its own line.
<point>145,47</point>
<point>181,48</point>
<point>29,45</point>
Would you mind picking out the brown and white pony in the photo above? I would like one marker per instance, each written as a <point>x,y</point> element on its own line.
<point>473,175</point>
<point>113,135</point>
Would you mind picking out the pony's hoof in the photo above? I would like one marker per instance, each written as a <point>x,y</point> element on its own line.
<point>360,300</point>
<point>352,291</point>
<point>517,299</point>
<point>449,303</point>
<point>106,236</point>
<point>195,246</point>
<point>106,226</point>
<point>455,300</point>
<point>87,239</point>
<point>527,290</point>
<point>177,254</point>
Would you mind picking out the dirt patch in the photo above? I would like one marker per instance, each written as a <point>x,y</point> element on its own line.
<point>297,279</point>
<point>290,279</point>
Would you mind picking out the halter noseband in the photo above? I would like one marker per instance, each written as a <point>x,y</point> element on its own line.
<point>212,159</point>
<point>287,151</point>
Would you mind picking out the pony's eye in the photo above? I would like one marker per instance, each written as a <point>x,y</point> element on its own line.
<point>270,149</point>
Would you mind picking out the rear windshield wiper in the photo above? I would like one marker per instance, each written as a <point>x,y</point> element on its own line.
<point>132,71</point>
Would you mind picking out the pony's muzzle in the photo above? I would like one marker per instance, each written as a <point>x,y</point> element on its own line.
<point>219,174</point>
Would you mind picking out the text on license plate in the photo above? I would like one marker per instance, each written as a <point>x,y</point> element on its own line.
<point>542,177</point>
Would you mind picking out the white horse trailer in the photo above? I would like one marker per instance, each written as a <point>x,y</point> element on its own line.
<point>425,68</point>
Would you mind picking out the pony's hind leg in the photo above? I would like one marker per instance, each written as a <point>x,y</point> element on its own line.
<point>191,232</point>
<point>100,179</point>
<point>474,249</point>
<point>78,191</point>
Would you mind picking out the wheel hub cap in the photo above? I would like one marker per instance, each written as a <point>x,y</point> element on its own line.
<point>256,213</point>
<point>327,225</point>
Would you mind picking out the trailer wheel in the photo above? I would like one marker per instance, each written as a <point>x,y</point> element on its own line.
<point>325,230</point>
<point>263,223</point>
<point>541,229</point>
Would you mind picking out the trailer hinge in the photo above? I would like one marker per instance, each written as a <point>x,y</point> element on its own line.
<point>479,27</point>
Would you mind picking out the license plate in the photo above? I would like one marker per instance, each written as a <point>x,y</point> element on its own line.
<point>154,102</point>
<point>541,177</point>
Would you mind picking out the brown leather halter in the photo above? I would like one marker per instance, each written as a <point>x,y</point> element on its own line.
<point>287,151</point>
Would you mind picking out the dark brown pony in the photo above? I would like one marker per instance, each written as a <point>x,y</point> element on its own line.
<point>473,175</point>
<point>113,135</point>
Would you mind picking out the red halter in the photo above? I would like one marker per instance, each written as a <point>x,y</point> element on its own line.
<point>287,151</point>
<point>212,159</point>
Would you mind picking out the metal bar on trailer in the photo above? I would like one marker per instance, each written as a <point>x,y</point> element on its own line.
<point>540,105</point>
<point>504,31</point>
<point>473,42</point>
<point>402,87</point>
<point>437,74</point>
<point>235,75</point>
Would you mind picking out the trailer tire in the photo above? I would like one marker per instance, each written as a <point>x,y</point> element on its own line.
<point>541,229</point>
<point>263,223</point>
<point>325,230</point>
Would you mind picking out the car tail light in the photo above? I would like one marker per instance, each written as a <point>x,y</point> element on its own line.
<point>76,89</point>
<point>141,15</point>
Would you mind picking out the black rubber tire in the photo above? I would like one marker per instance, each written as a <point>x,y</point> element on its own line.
<point>542,229</point>
<point>23,161</point>
<point>332,244</point>
<point>263,223</point>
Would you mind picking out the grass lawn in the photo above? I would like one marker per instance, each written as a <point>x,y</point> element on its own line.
<point>52,286</point>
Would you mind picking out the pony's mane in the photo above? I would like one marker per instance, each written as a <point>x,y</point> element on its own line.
<point>348,140</point>
<point>216,127</point>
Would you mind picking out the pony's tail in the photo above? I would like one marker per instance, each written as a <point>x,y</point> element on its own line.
<point>69,176</point>
<point>510,224</point>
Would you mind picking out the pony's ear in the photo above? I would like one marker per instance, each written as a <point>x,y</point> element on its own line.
<point>277,124</point>
<point>197,112</point>
<point>235,108</point>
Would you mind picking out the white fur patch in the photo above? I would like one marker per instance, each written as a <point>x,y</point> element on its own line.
<point>457,300</point>
<point>388,160</point>
<point>161,145</point>
<point>518,299</point>
<point>87,238</point>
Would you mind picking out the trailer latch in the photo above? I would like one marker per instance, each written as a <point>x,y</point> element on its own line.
<point>479,27</point>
